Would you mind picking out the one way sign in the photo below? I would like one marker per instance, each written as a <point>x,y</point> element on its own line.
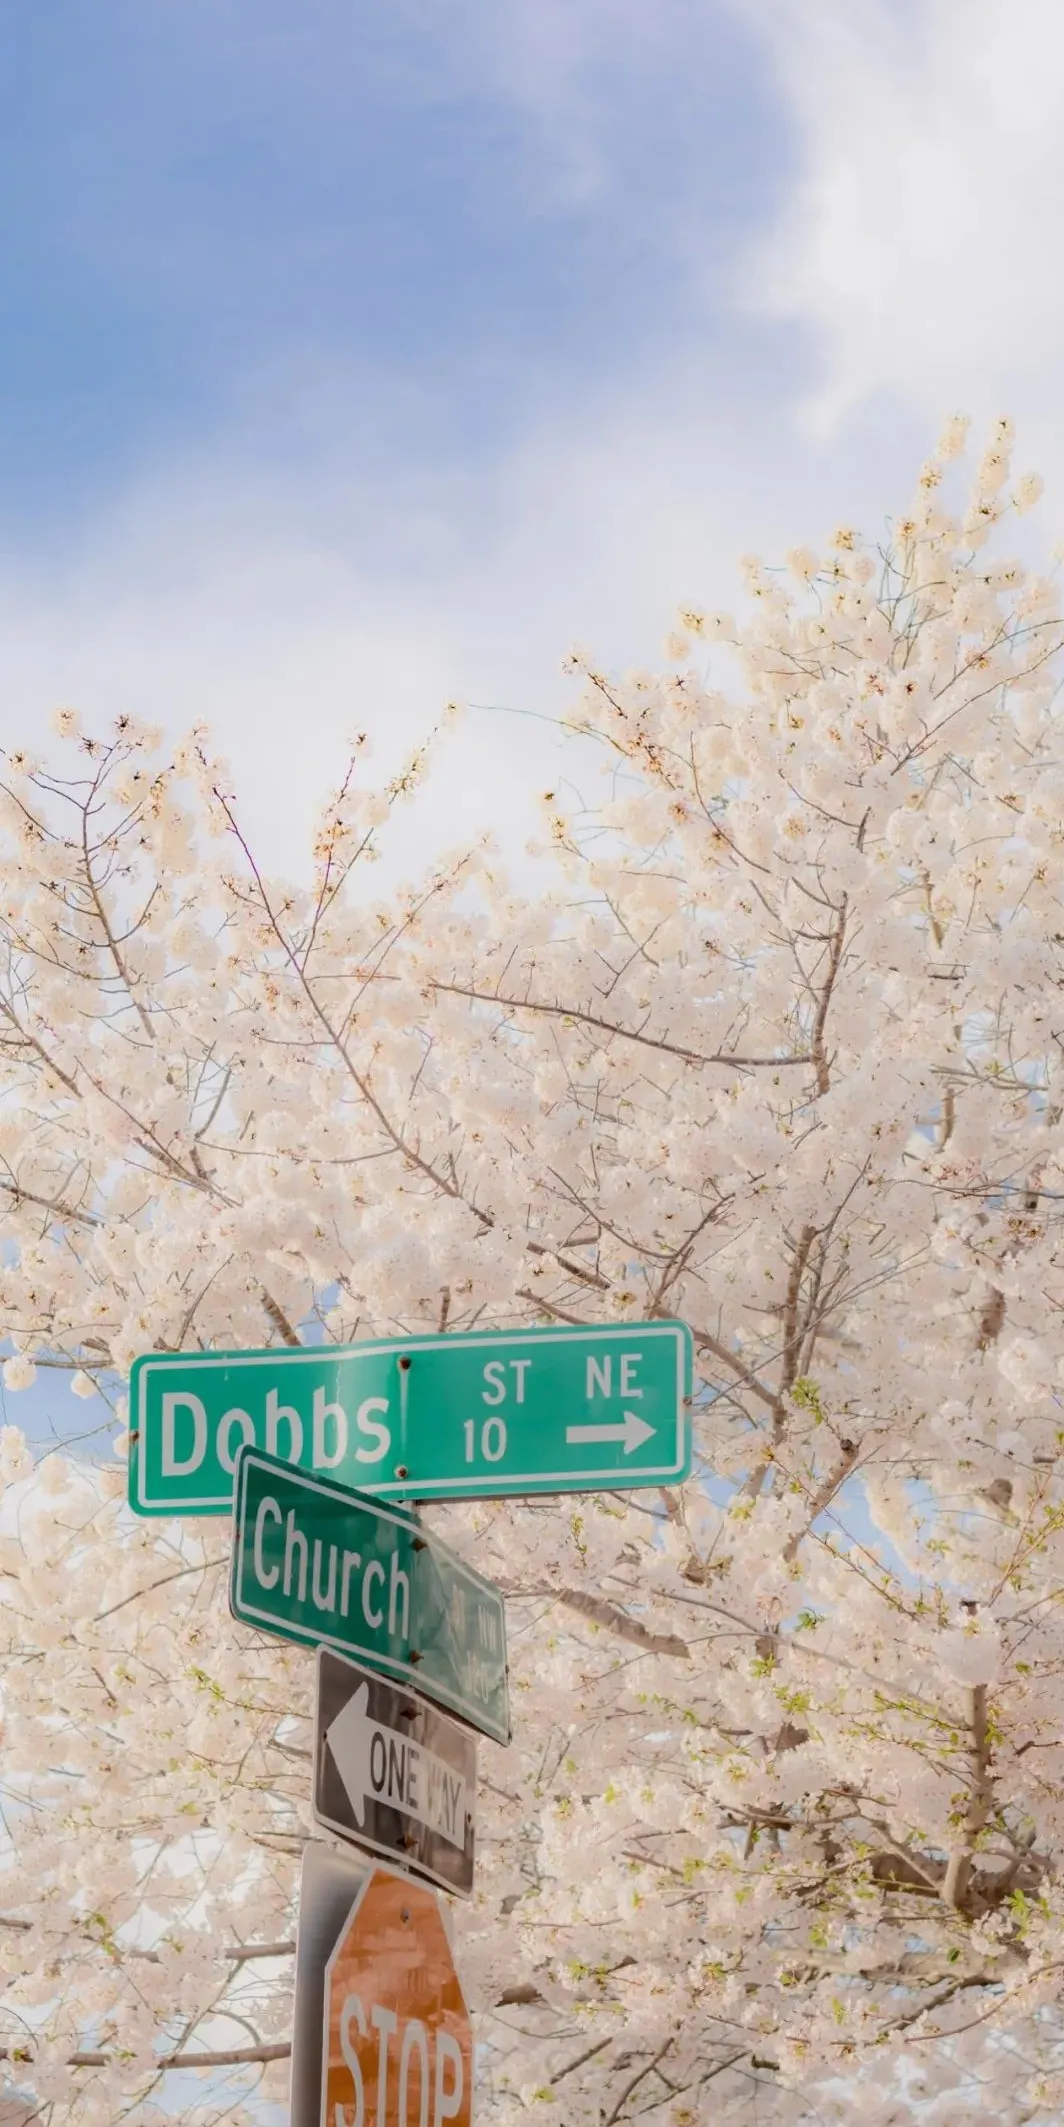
<point>393,1775</point>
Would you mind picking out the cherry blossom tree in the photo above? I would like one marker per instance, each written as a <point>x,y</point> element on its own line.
<point>778,1052</point>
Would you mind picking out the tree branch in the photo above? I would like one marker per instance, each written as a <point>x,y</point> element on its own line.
<point>223,2057</point>
<point>639,2077</point>
<point>609,1026</point>
<point>587,2055</point>
<point>820,1057</point>
<point>720,1351</point>
<point>358,1078</point>
<point>957,1878</point>
<point>792,1345</point>
<point>575,1270</point>
<point>609,1617</point>
<point>823,1497</point>
<point>62,1211</point>
<point>279,1319</point>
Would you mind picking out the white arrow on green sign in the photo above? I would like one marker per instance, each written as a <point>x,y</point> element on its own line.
<point>314,1562</point>
<point>483,1415</point>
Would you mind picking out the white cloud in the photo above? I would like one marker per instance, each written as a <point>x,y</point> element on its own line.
<point>331,564</point>
<point>920,240</point>
<point>574,69</point>
<point>363,581</point>
<point>288,609</point>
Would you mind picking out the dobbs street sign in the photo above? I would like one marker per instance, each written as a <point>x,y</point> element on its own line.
<point>540,1410</point>
<point>314,1562</point>
<point>392,1774</point>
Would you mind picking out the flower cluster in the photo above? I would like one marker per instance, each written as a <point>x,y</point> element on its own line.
<point>779,1053</point>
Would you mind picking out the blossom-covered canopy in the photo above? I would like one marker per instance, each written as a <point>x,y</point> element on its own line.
<point>778,1050</point>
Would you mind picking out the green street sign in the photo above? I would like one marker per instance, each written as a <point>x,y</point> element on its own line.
<point>479,1416</point>
<point>312,1561</point>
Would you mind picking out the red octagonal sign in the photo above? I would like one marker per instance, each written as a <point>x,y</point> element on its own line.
<point>398,2049</point>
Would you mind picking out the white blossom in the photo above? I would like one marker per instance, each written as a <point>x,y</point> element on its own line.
<point>970,1651</point>
<point>1029,490</point>
<point>775,1050</point>
<point>19,1372</point>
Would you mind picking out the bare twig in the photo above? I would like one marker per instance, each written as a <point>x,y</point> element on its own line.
<point>720,1351</point>
<point>639,2077</point>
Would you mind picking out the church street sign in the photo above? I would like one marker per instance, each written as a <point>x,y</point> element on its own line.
<point>315,1562</point>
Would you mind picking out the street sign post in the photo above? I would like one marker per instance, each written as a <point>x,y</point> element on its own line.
<point>315,1562</point>
<point>392,1774</point>
<point>397,2046</point>
<point>479,1416</point>
<point>329,1883</point>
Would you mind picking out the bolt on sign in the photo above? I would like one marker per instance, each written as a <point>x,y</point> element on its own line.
<point>471,1415</point>
<point>315,1562</point>
<point>397,2046</point>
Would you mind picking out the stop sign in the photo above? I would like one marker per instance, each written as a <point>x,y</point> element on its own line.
<point>398,2048</point>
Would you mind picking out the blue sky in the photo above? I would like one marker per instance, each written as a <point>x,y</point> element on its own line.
<point>210,213</point>
<point>334,340</point>
<point>358,357</point>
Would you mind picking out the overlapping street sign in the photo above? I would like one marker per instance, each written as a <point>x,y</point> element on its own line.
<point>380,2031</point>
<point>550,1410</point>
<point>392,1774</point>
<point>315,1562</point>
